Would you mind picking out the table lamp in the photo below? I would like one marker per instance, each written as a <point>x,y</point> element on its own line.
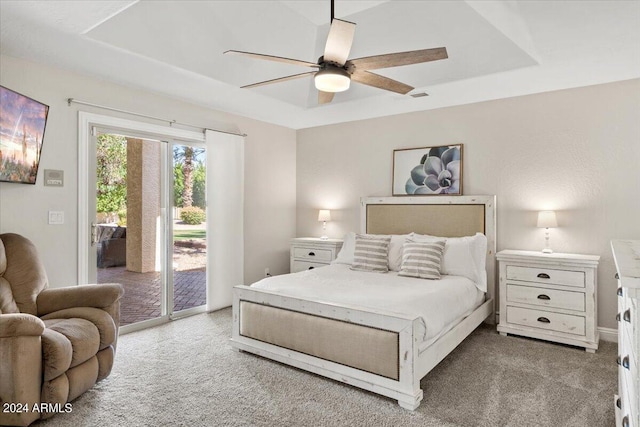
<point>547,220</point>
<point>324,215</point>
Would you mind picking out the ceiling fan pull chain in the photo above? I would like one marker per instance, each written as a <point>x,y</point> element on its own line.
<point>332,10</point>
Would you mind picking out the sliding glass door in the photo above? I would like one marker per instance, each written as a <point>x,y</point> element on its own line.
<point>148,224</point>
<point>152,202</point>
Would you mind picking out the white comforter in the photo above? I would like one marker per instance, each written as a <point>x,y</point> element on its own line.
<point>440,304</point>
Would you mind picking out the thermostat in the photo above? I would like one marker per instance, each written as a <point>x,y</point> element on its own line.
<point>53,178</point>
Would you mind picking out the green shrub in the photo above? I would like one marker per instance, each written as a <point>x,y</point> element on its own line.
<point>122,218</point>
<point>192,215</point>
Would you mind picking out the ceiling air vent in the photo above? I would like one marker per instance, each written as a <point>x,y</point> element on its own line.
<point>419,94</point>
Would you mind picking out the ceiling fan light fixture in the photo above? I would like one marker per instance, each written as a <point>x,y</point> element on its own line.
<point>332,79</point>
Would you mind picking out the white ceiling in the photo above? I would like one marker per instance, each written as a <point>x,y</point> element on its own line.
<point>496,49</point>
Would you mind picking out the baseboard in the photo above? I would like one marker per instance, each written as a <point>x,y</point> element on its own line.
<point>608,334</point>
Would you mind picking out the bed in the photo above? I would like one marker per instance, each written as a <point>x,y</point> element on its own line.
<point>384,343</point>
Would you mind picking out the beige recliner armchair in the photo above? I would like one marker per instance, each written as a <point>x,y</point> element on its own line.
<point>55,344</point>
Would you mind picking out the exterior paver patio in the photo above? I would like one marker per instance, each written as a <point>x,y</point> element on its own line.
<point>142,291</point>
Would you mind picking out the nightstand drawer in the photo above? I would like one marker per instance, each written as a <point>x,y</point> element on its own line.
<point>546,297</point>
<point>546,275</point>
<point>546,320</point>
<point>305,265</point>
<point>312,254</point>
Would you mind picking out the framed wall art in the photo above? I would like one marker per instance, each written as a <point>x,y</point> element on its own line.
<point>428,171</point>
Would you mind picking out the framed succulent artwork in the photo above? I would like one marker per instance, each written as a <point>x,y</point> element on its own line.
<point>428,171</point>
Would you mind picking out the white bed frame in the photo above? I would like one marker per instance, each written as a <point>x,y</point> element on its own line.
<point>413,363</point>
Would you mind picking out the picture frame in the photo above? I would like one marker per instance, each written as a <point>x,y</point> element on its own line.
<point>428,171</point>
<point>22,126</point>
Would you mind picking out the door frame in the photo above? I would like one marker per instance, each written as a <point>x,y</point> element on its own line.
<point>86,123</point>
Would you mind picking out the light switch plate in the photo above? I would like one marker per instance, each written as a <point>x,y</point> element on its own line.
<point>53,178</point>
<point>56,217</point>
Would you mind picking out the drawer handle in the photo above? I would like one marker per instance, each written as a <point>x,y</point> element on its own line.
<point>544,297</point>
<point>618,317</point>
<point>544,320</point>
<point>312,254</point>
<point>625,421</point>
<point>617,276</point>
<point>544,276</point>
<point>627,315</point>
<point>619,403</point>
<point>625,362</point>
<point>619,291</point>
<point>311,268</point>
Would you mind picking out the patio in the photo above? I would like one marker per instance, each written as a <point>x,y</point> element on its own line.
<point>141,299</point>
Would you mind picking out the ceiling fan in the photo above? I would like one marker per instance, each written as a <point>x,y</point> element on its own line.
<point>335,71</point>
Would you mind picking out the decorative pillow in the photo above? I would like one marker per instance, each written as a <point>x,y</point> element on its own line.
<point>463,256</point>
<point>371,253</point>
<point>422,259</point>
<point>345,256</point>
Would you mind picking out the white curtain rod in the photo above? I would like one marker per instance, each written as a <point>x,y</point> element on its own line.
<point>171,122</point>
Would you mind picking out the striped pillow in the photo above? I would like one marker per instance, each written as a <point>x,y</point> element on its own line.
<point>371,253</point>
<point>421,259</point>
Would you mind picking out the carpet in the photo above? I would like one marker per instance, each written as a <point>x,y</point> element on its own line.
<point>185,373</point>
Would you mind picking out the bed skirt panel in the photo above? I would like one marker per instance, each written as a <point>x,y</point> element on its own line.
<point>361,347</point>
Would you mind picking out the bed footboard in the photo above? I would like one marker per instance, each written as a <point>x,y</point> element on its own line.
<point>371,350</point>
<point>361,347</point>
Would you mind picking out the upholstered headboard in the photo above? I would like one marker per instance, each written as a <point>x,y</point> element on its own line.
<point>447,216</point>
<point>436,220</point>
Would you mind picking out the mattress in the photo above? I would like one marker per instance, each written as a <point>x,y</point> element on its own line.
<point>439,304</point>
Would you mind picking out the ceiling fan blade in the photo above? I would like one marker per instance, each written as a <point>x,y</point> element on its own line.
<point>280,79</point>
<point>325,97</point>
<point>272,58</point>
<point>399,58</point>
<point>339,41</point>
<point>380,82</point>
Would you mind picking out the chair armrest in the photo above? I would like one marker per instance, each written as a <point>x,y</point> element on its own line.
<point>20,325</point>
<point>98,296</point>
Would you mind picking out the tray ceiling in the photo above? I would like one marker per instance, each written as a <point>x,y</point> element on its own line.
<point>496,49</point>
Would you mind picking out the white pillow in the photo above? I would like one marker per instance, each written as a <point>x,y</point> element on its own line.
<point>463,256</point>
<point>345,256</point>
<point>395,251</point>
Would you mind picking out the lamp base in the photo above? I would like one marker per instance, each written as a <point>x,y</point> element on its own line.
<point>324,237</point>
<point>547,251</point>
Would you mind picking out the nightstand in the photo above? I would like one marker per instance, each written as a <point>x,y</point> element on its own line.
<point>311,252</point>
<point>549,296</point>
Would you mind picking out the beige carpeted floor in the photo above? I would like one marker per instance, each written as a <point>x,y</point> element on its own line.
<point>185,374</point>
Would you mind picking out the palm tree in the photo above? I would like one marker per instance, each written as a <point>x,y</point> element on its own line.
<point>187,156</point>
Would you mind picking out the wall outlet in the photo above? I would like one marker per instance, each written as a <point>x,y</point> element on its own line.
<point>267,272</point>
<point>56,217</point>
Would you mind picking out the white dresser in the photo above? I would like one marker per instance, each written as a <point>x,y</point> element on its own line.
<point>626,254</point>
<point>311,252</point>
<point>549,296</point>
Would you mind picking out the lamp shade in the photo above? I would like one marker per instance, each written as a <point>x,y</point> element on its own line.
<point>324,215</point>
<point>547,219</point>
<point>332,79</point>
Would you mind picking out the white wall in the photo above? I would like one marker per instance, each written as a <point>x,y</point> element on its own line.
<point>574,151</point>
<point>270,156</point>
